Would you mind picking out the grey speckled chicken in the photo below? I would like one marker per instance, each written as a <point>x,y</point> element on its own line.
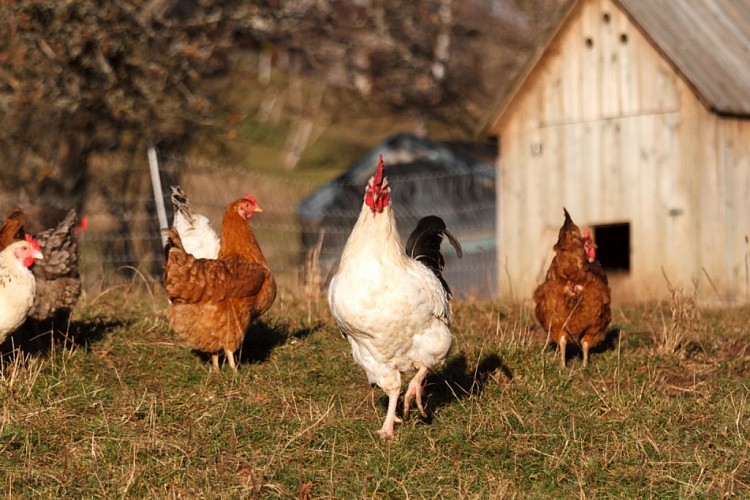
<point>58,283</point>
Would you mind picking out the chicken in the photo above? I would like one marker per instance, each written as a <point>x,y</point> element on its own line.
<point>198,237</point>
<point>393,305</point>
<point>17,284</point>
<point>213,301</point>
<point>573,303</point>
<point>58,284</point>
<point>11,230</point>
<point>57,278</point>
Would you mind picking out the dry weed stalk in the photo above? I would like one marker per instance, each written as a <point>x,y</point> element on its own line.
<point>312,281</point>
<point>516,330</point>
<point>19,374</point>
<point>686,320</point>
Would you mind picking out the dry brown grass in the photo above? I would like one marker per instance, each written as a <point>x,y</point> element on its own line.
<point>685,322</point>
<point>120,409</point>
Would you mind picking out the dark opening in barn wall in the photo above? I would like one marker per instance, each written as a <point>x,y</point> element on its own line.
<point>613,246</point>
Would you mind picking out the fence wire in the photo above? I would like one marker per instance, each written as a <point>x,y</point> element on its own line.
<point>123,235</point>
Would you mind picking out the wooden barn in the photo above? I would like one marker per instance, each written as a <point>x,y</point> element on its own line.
<point>635,116</point>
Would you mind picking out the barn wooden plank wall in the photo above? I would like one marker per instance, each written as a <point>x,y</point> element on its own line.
<point>605,126</point>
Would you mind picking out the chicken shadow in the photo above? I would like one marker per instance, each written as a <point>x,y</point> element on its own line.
<point>43,337</point>
<point>573,350</point>
<point>456,381</point>
<point>262,338</point>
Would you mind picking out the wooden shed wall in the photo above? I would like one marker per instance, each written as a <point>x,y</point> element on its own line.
<point>606,127</point>
<point>725,209</point>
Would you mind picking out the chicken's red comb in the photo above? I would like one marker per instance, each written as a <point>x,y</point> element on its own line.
<point>34,244</point>
<point>378,179</point>
<point>586,234</point>
<point>250,199</point>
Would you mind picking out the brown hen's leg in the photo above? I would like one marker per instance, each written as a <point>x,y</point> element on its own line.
<point>415,390</point>
<point>215,360</point>
<point>561,347</point>
<point>230,357</point>
<point>386,432</point>
<point>585,353</point>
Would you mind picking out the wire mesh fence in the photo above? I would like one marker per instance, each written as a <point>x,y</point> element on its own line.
<point>123,236</point>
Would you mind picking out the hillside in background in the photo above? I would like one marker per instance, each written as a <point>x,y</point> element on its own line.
<point>298,83</point>
<point>272,97</point>
<point>320,102</point>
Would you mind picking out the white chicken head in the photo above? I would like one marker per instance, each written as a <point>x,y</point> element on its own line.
<point>27,251</point>
<point>378,192</point>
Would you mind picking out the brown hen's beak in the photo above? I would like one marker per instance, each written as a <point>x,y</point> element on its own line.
<point>257,209</point>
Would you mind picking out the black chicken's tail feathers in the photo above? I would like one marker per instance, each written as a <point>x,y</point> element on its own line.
<point>181,203</point>
<point>424,245</point>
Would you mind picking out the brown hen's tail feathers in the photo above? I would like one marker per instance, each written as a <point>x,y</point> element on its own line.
<point>568,224</point>
<point>567,216</point>
<point>424,242</point>
<point>173,241</point>
<point>11,228</point>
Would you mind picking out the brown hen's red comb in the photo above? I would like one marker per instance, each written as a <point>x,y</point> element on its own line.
<point>378,180</point>
<point>250,199</point>
<point>33,242</point>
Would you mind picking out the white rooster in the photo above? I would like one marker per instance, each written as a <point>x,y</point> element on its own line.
<point>17,283</point>
<point>198,237</point>
<point>393,305</point>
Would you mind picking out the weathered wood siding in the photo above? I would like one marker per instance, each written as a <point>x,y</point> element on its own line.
<point>725,206</point>
<point>604,126</point>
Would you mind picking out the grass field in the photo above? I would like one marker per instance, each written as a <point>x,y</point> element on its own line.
<point>120,409</point>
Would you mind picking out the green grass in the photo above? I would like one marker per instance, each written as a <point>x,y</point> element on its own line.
<point>120,409</point>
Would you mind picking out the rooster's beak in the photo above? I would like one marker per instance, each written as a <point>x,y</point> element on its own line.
<point>38,255</point>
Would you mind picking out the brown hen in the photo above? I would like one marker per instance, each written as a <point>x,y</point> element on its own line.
<point>213,301</point>
<point>573,303</point>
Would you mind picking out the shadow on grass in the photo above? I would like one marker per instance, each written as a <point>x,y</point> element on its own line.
<point>574,350</point>
<point>457,380</point>
<point>40,337</point>
<point>262,338</point>
<point>609,343</point>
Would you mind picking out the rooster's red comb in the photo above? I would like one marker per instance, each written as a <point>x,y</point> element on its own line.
<point>378,179</point>
<point>34,244</point>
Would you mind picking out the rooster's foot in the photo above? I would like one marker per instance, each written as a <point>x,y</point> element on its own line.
<point>414,391</point>
<point>386,432</point>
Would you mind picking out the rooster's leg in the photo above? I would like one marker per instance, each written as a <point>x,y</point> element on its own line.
<point>561,348</point>
<point>215,360</point>
<point>415,391</point>
<point>585,353</point>
<point>386,432</point>
<point>230,357</point>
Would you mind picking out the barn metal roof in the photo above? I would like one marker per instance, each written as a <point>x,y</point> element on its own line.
<point>708,41</point>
